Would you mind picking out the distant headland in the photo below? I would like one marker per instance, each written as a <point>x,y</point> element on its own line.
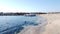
<point>19,13</point>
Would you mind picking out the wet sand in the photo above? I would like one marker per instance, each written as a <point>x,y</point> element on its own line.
<point>53,26</point>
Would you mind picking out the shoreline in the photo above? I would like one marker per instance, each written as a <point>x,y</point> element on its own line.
<point>53,26</point>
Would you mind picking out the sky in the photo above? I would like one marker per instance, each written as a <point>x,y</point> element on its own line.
<point>29,5</point>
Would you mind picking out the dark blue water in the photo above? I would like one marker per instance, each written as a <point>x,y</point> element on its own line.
<point>12,24</point>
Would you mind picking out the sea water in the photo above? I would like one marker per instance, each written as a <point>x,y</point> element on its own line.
<point>15,24</point>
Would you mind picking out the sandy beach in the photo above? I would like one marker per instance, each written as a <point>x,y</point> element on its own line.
<point>53,26</point>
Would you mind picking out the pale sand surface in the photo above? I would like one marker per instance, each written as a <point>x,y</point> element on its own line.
<point>53,26</point>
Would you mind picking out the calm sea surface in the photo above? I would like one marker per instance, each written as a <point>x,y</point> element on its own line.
<point>12,24</point>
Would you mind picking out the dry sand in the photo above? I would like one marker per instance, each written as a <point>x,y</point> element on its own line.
<point>53,26</point>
